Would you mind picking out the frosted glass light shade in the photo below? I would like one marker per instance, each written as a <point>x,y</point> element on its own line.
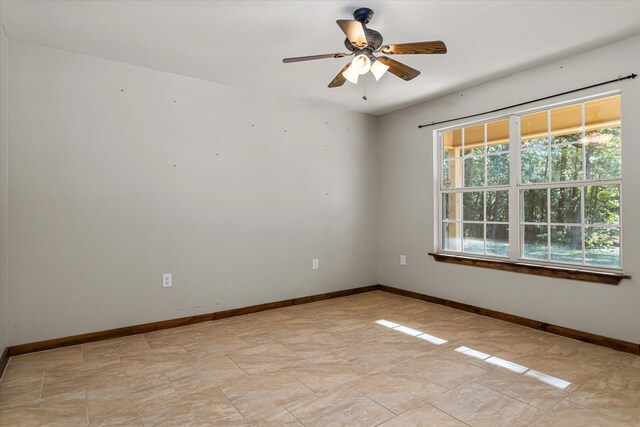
<point>361,63</point>
<point>351,74</point>
<point>378,69</point>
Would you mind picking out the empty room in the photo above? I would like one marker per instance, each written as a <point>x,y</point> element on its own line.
<point>319,213</point>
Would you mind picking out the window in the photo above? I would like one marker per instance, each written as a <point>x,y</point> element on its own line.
<point>541,186</point>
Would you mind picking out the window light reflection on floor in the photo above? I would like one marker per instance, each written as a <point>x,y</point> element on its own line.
<point>493,360</point>
<point>411,332</point>
<point>514,367</point>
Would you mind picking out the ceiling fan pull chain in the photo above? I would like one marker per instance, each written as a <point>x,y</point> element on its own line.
<point>364,86</point>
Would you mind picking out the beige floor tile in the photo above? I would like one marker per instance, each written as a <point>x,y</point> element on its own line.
<point>203,362</point>
<point>325,372</point>
<point>344,407</point>
<point>123,397</point>
<point>64,380</point>
<point>255,394</point>
<point>327,363</point>
<point>108,350</point>
<point>395,389</point>
<point>156,361</point>
<point>375,355</point>
<point>22,390</point>
<point>524,388</point>
<point>615,393</point>
<point>480,406</point>
<point>575,371</point>
<point>175,337</point>
<point>262,334</point>
<point>323,342</point>
<point>216,343</point>
<point>275,418</point>
<point>445,370</point>
<point>68,409</point>
<point>568,414</point>
<point>201,408</point>
<point>266,357</point>
<point>126,421</point>
<point>423,416</point>
<point>34,363</point>
<point>203,374</point>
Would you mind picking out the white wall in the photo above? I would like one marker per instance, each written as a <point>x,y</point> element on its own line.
<point>121,173</point>
<point>406,211</point>
<point>98,211</point>
<point>4,134</point>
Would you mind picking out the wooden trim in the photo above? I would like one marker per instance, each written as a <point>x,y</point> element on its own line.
<point>600,340</point>
<point>4,360</point>
<point>539,270</point>
<point>174,323</point>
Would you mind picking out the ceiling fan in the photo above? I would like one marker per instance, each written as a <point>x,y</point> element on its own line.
<point>364,42</point>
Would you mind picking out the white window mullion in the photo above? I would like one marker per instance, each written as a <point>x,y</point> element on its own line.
<point>514,196</point>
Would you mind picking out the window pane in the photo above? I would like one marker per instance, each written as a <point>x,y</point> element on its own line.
<point>534,165</point>
<point>474,171</point>
<point>473,240</point>
<point>566,163</point>
<point>534,205</point>
<point>565,205</point>
<point>566,124</point>
<point>498,136</point>
<point>533,129</point>
<point>452,206</point>
<point>452,173</point>
<point>602,204</point>
<point>603,154</point>
<point>602,246</point>
<point>451,234</point>
<point>452,143</point>
<point>473,206</point>
<point>497,206</point>
<point>498,169</point>
<point>535,241</point>
<point>474,140</point>
<point>602,113</point>
<point>566,243</point>
<point>498,239</point>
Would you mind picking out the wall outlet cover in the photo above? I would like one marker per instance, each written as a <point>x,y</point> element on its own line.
<point>167,280</point>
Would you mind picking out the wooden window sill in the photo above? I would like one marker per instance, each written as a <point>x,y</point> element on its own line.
<point>540,270</point>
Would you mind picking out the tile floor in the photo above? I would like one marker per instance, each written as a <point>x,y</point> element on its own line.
<point>363,360</point>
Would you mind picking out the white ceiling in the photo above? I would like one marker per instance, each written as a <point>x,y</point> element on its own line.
<point>242,43</point>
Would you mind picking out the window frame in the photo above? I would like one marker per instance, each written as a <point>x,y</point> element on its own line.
<point>516,219</point>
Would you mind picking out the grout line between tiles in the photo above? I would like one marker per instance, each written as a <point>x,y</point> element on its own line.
<point>230,402</point>
<point>41,385</point>
<point>86,403</point>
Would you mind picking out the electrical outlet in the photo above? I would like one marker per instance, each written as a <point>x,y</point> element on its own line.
<point>166,280</point>
<point>403,260</point>
<point>314,264</point>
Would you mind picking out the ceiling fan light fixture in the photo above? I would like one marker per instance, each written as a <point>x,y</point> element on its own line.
<point>361,63</point>
<point>378,69</point>
<point>351,74</point>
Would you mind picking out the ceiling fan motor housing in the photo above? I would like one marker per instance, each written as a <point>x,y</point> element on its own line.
<point>374,40</point>
<point>363,14</point>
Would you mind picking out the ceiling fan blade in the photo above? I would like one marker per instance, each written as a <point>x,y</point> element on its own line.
<point>354,31</point>
<point>339,79</point>
<point>399,69</point>
<point>424,48</point>
<point>312,57</point>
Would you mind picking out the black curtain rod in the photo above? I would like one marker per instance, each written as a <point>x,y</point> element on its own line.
<point>620,78</point>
